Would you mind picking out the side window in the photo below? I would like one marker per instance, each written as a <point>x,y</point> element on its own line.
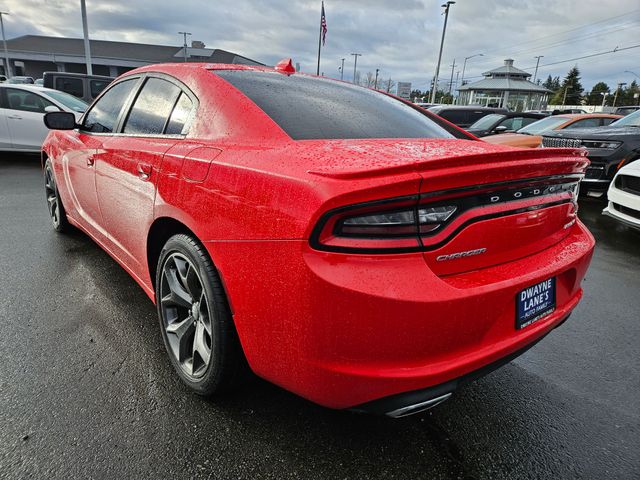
<point>152,107</point>
<point>96,87</point>
<point>74,86</point>
<point>474,116</point>
<point>607,121</point>
<point>585,123</point>
<point>179,115</point>
<point>104,114</point>
<point>455,116</point>
<point>26,101</point>
<point>511,123</point>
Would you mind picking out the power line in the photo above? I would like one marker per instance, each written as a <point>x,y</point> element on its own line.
<point>571,30</point>
<point>615,50</point>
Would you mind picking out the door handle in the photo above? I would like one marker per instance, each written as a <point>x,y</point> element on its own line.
<point>15,117</point>
<point>144,171</point>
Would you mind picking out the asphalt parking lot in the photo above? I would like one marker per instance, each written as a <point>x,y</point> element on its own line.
<point>86,390</point>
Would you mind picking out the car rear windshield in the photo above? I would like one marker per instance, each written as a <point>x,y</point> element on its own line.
<point>309,108</point>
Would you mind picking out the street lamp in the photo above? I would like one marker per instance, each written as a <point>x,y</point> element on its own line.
<point>464,65</point>
<point>6,53</point>
<point>632,73</point>
<point>615,97</point>
<point>355,64</point>
<point>446,7</point>
<point>184,35</point>
<point>85,31</point>
<point>604,98</point>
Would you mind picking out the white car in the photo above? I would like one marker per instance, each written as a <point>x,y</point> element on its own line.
<point>624,196</point>
<point>22,108</point>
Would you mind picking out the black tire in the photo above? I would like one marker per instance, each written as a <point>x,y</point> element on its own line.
<point>56,210</point>
<point>184,263</point>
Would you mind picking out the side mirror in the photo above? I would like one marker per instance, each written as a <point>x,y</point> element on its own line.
<point>60,120</point>
<point>500,129</point>
<point>51,108</point>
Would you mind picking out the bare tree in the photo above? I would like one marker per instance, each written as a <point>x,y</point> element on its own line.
<point>369,80</point>
<point>388,84</point>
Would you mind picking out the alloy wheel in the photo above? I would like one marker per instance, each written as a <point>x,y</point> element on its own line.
<point>53,203</point>
<point>186,316</point>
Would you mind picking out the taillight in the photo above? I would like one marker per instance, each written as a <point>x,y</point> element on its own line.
<point>417,222</point>
<point>390,224</point>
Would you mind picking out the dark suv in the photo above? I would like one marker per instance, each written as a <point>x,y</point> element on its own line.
<point>464,117</point>
<point>609,148</point>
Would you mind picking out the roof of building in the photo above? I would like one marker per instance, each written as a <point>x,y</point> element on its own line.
<point>505,83</point>
<point>119,50</point>
<point>507,69</point>
<point>506,78</point>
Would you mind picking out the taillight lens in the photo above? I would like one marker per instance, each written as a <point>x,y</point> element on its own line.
<point>398,223</point>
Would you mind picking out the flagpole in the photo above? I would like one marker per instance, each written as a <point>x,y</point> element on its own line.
<point>320,40</point>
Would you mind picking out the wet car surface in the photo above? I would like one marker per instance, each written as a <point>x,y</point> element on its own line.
<point>86,389</point>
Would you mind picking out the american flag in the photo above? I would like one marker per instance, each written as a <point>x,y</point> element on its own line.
<point>323,25</point>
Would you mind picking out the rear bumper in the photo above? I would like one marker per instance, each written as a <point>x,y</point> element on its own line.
<point>409,403</point>
<point>345,330</point>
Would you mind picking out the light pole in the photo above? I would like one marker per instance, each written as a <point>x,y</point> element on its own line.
<point>632,73</point>
<point>355,64</point>
<point>375,83</point>
<point>184,35</point>
<point>604,98</point>
<point>464,65</point>
<point>85,31</point>
<point>535,74</point>
<point>453,67</point>
<point>342,70</point>
<point>6,52</point>
<point>615,97</point>
<point>444,30</point>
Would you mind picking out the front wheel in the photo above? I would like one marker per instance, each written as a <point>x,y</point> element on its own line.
<point>54,205</point>
<point>195,318</point>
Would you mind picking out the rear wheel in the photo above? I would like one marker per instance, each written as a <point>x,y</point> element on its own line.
<point>195,319</point>
<point>54,205</point>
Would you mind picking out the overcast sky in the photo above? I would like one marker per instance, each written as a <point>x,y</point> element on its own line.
<point>400,37</point>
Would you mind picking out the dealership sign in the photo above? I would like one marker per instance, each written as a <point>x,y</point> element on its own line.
<point>404,90</point>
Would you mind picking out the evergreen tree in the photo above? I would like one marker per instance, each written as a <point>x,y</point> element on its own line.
<point>552,83</point>
<point>595,95</point>
<point>625,96</point>
<point>570,92</point>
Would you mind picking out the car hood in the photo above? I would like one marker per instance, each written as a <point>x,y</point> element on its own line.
<point>595,132</point>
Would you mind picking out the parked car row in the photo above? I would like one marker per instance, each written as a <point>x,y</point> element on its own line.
<point>86,87</point>
<point>611,139</point>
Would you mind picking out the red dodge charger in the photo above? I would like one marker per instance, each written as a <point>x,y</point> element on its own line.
<point>344,244</point>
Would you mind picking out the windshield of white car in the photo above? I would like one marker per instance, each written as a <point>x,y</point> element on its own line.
<point>542,125</point>
<point>631,120</point>
<point>68,101</point>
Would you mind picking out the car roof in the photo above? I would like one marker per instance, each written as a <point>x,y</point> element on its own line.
<point>28,86</point>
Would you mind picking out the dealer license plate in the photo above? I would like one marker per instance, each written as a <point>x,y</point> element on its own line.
<point>535,302</point>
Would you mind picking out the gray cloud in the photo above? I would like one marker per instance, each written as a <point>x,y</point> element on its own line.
<point>400,37</point>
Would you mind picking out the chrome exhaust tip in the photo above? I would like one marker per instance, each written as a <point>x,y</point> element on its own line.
<point>417,407</point>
